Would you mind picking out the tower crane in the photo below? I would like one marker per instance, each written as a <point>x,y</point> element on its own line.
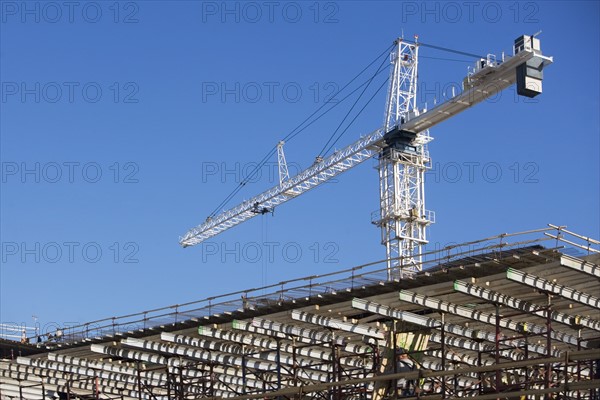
<point>401,148</point>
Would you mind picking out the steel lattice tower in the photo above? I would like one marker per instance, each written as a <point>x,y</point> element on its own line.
<point>402,165</point>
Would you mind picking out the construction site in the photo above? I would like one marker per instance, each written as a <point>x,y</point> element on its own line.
<point>512,316</point>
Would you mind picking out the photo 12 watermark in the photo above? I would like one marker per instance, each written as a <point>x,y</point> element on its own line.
<point>270,252</point>
<point>69,172</point>
<point>269,92</point>
<point>69,12</point>
<point>238,172</point>
<point>526,172</point>
<point>455,12</point>
<point>69,252</point>
<point>454,250</point>
<point>431,94</point>
<point>69,92</point>
<point>36,332</point>
<point>270,12</point>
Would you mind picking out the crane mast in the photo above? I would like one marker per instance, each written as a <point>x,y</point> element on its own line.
<point>401,147</point>
<point>402,164</point>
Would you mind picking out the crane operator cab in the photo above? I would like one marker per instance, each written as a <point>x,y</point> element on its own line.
<point>400,139</point>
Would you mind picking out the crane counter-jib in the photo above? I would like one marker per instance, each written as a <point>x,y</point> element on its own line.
<point>496,79</point>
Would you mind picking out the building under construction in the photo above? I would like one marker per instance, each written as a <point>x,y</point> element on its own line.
<point>515,316</point>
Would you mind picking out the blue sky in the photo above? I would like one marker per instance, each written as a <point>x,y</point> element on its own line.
<point>124,124</point>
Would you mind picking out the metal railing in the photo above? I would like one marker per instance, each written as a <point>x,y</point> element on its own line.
<point>374,273</point>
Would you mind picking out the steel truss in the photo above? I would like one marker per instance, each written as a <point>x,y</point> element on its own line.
<point>402,216</point>
<point>472,334</point>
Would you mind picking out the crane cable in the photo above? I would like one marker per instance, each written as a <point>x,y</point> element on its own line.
<point>445,59</point>
<point>356,116</point>
<point>295,132</point>
<point>273,150</point>
<point>326,149</point>
<point>323,150</point>
<point>292,134</point>
<point>447,49</point>
<point>334,105</point>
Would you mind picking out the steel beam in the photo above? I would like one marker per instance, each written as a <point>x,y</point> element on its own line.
<point>267,343</point>
<point>335,323</point>
<point>61,382</point>
<point>487,318</point>
<point>518,304</point>
<point>580,265</point>
<point>554,288</point>
<point>477,334</point>
<point>316,337</point>
<point>268,361</point>
<point>304,335</point>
